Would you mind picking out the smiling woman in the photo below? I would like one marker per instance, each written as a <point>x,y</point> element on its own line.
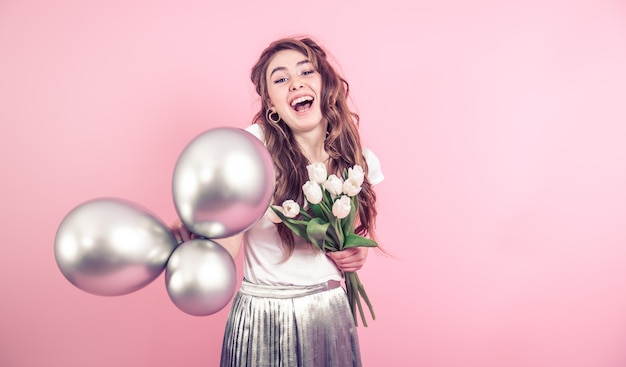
<point>291,310</point>
<point>294,90</point>
<point>293,87</point>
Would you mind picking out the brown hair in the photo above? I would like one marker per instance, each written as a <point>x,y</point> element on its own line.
<point>342,141</point>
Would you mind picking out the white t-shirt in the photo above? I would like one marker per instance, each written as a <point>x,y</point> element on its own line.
<point>264,255</point>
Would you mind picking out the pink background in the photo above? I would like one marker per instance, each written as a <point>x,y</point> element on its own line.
<point>501,129</point>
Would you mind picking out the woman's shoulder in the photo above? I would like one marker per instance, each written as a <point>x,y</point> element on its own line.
<point>256,130</point>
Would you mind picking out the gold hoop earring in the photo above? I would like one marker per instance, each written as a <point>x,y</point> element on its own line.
<point>268,115</point>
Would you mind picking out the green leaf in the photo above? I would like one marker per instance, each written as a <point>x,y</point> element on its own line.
<point>296,226</point>
<point>317,210</point>
<point>316,232</point>
<point>336,237</point>
<point>305,215</point>
<point>330,246</point>
<point>355,240</point>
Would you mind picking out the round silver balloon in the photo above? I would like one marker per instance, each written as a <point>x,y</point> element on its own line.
<point>200,277</point>
<point>111,247</point>
<point>223,182</point>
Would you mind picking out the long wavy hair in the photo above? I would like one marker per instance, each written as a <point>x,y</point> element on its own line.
<point>342,140</point>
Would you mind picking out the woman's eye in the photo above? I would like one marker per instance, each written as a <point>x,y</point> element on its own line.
<point>307,72</point>
<point>280,80</point>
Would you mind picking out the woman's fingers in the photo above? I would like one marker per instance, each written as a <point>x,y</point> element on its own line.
<point>349,260</point>
<point>180,232</point>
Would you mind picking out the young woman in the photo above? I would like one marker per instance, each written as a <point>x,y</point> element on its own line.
<point>290,309</point>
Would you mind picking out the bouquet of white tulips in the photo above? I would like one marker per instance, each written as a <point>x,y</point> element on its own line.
<point>328,221</point>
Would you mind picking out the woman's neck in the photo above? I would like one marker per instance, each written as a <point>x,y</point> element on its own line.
<point>312,145</point>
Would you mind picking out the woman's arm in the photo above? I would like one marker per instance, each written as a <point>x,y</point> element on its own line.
<point>231,244</point>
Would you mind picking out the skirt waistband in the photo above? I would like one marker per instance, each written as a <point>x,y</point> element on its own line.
<point>285,291</point>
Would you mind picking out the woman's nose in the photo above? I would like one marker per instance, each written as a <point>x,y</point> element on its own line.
<point>296,84</point>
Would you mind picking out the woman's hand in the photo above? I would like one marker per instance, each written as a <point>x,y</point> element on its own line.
<point>349,260</point>
<point>231,244</point>
<point>181,232</point>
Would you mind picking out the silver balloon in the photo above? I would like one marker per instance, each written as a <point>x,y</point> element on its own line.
<point>200,277</point>
<point>111,247</point>
<point>223,182</point>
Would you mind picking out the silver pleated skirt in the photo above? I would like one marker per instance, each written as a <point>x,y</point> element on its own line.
<point>290,326</point>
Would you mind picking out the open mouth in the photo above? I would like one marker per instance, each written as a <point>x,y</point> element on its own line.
<point>302,104</point>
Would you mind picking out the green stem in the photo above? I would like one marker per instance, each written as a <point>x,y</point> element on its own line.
<point>328,211</point>
<point>305,215</point>
<point>352,296</point>
<point>340,235</point>
<point>355,290</point>
<point>367,300</point>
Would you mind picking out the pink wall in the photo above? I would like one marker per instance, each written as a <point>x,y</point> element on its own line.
<point>501,129</point>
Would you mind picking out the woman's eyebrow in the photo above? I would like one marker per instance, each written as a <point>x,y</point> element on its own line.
<point>279,68</point>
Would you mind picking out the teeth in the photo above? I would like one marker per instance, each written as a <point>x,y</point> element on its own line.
<point>301,99</point>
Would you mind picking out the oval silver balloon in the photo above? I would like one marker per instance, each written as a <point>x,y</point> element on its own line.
<point>111,247</point>
<point>200,277</point>
<point>223,182</point>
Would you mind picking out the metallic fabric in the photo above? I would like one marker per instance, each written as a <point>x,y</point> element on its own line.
<point>290,326</point>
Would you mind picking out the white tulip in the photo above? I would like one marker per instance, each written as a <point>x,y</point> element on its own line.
<point>317,172</point>
<point>334,185</point>
<point>313,192</point>
<point>341,207</point>
<point>351,186</point>
<point>356,173</point>
<point>290,208</point>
